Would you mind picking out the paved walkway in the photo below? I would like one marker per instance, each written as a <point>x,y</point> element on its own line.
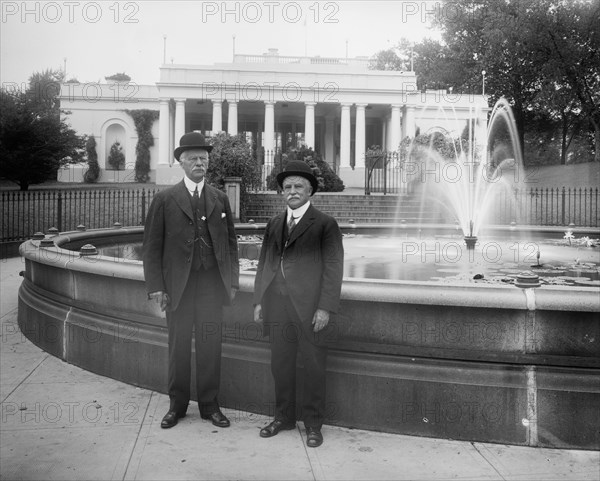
<point>61,422</point>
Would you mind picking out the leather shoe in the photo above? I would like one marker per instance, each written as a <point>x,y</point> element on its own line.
<point>314,438</point>
<point>170,419</point>
<point>217,418</point>
<point>274,428</point>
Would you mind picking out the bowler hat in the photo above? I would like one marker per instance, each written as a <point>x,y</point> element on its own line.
<point>301,168</point>
<point>190,141</point>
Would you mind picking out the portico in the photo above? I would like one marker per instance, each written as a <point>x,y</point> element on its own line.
<point>337,106</point>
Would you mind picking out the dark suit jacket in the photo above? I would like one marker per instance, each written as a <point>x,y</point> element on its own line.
<point>313,263</point>
<point>169,240</point>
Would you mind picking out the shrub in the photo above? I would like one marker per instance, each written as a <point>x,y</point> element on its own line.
<point>91,175</point>
<point>232,157</point>
<point>116,158</point>
<point>326,177</point>
<point>143,119</point>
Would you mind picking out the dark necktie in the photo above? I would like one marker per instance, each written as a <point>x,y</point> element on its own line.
<point>196,200</point>
<point>291,225</point>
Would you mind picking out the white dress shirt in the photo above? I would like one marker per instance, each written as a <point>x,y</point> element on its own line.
<point>191,186</point>
<point>297,213</point>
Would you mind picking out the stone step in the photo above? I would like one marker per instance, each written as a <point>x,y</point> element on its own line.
<point>350,210</point>
<point>359,208</point>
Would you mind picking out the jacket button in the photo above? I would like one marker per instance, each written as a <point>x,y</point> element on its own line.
<point>188,259</point>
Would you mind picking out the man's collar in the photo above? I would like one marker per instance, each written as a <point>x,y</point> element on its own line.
<point>300,211</point>
<point>191,186</point>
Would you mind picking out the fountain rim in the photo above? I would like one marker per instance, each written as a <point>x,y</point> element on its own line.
<point>580,298</point>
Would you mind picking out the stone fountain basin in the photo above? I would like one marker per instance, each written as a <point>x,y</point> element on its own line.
<point>491,363</point>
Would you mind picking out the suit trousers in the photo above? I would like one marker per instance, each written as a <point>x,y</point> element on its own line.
<point>200,310</point>
<point>288,335</point>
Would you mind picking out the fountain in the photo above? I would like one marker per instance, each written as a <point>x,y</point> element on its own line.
<point>497,362</point>
<point>467,184</point>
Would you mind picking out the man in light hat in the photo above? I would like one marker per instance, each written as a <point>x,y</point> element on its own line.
<point>191,270</point>
<point>297,286</point>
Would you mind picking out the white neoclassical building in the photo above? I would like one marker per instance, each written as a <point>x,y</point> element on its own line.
<point>337,106</point>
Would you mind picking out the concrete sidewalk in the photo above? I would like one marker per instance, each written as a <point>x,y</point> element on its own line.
<point>61,422</point>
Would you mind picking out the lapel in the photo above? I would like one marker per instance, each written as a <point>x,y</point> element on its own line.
<point>278,230</point>
<point>182,197</point>
<point>307,220</point>
<point>210,198</point>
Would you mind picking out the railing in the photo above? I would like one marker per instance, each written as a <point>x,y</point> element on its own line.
<point>360,62</point>
<point>24,213</point>
<point>560,206</point>
<point>383,174</point>
<point>269,163</point>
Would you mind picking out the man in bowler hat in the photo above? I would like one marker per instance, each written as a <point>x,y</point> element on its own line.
<point>297,287</point>
<point>191,270</point>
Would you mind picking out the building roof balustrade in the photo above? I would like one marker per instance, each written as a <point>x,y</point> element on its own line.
<point>357,62</point>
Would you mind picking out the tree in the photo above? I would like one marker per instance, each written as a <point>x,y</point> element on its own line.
<point>432,63</point>
<point>116,158</point>
<point>569,44</point>
<point>542,54</point>
<point>119,77</point>
<point>388,60</point>
<point>35,140</point>
<point>495,37</point>
<point>436,67</point>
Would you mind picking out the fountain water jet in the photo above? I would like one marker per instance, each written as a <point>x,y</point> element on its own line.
<point>466,185</point>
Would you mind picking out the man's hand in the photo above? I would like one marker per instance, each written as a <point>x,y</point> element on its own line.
<point>232,294</point>
<point>258,314</point>
<point>161,298</point>
<point>320,320</point>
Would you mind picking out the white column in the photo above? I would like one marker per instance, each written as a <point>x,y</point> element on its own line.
<point>359,137</point>
<point>269,137</point>
<point>408,126</point>
<point>217,121</point>
<point>395,128</point>
<point>388,129</point>
<point>164,155</point>
<point>179,119</point>
<point>232,118</point>
<point>345,137</point>
<point>329,142</point>
<point>309,124</point>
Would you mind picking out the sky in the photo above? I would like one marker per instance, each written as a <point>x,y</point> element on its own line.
<point>101,38</point>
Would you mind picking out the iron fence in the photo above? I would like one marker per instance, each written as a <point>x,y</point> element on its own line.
<point>384,174</point>
<point>267,161</point>
<point>24,213</point>
<point>552,206</point>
